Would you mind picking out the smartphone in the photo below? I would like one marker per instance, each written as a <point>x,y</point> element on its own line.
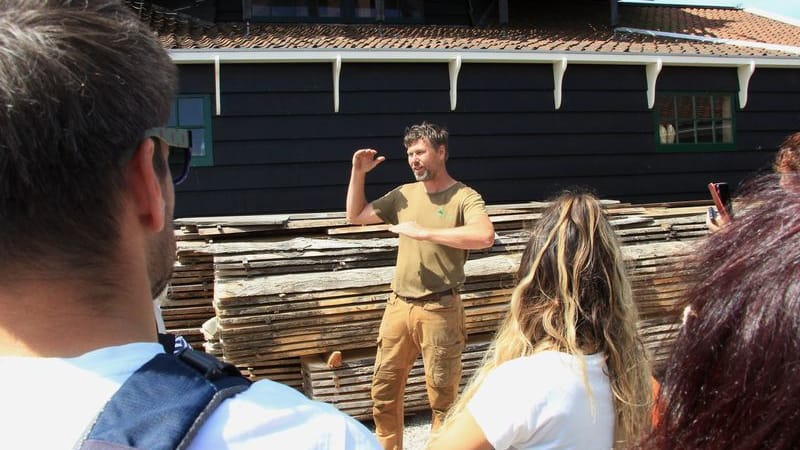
<point>721,195</point>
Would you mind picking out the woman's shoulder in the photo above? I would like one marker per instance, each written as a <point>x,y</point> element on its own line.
<point>548,358</point>
<point>549,365</point>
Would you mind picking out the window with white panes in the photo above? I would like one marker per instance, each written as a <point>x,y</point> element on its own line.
<point>692,121</point>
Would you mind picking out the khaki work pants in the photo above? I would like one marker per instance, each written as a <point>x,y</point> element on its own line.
<point>435,328</point>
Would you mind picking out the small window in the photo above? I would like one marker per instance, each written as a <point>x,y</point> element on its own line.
<point>694,121</point>
<point>193,112</point>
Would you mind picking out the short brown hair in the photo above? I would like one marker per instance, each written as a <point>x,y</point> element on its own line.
<point>435,134</point>
<point>80,82</point>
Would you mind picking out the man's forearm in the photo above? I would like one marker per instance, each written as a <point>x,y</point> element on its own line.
<point>356,197</point>
<point>474,236</point>
<point>467,237</point>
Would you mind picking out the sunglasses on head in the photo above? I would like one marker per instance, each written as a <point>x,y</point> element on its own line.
<point>180,150</point>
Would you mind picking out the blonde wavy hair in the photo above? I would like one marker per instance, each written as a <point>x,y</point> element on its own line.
<point>573,296</point>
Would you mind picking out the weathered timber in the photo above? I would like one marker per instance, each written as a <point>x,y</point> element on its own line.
<point>292,286</point>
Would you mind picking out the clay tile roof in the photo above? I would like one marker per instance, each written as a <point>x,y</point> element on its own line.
<point>583,30</point>
<point>714,22</point>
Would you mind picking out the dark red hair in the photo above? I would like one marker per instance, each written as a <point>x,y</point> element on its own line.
<point>733,380</point>
<point>788,157</point>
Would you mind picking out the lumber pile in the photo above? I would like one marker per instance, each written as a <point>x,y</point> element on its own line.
<point>267,318</point>
<point>285,370</point>
<point>659,284</point>
<point>286,288</point>
<point>190,294</point>
<point>637,223</point>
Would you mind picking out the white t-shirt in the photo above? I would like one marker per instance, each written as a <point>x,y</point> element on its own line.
<point>47,403</point>
<point>541,402</point>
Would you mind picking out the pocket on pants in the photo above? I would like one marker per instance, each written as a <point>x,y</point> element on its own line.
<point>390,357</point>
<point>385,378</point>
<point>445,367</point>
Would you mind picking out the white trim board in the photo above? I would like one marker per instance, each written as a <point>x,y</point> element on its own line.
<point>455,59</point>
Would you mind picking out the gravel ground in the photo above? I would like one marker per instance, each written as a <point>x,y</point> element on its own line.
<point>415,434</point>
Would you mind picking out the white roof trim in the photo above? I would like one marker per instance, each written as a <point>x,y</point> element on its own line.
<point>454,66</point>
<point>652,70</point>
<point>744,73</point>
<point>337,71</point>
<point>217,90</point>
<point>205,56</point>
<point>559,68</point>
<point>454,59</point>
<point>773,16</point>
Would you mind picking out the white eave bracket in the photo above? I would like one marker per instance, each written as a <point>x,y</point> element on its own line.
<point>652,69</point>
<point>745,72</point>
<point>559,67</point>
<point>337,71</point>
<point>217,94</point>
<point>455,66</point>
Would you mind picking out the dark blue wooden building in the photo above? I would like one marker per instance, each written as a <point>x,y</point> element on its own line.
<point>280,93</point>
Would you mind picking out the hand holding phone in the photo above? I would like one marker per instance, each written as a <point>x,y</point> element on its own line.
<point>722,200</point>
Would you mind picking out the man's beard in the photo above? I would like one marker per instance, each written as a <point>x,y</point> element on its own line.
<point>161,259</point>
<point>424,176</point>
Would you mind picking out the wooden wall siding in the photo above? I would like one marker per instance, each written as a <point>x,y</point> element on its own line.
<point>698,79</point>
<point>196,79</point>
<point>772,111</point>
<point>279,147</point>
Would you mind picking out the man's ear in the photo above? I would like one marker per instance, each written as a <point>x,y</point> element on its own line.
<point>144,186</point>
<point>442,150</point>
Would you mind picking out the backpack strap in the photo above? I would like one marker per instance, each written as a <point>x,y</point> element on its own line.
<point>164,403</point>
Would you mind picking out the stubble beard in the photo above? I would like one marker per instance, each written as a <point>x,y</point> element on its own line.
<point>424,176</point>
<point>162,260</point>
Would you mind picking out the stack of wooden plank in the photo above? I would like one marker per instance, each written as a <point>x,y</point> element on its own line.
<point>659,285</point>
<point>208,228</point>
<point>275,317</point>
<point>285,370</point>
<point>348,386</point>
<point>291,287</point>
<point>190,294</point>
<point>643,222</point>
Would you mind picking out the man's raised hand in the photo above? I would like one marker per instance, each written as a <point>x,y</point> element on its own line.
<point>364,160</point>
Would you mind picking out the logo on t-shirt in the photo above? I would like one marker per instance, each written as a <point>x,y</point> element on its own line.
<point>442,213</point>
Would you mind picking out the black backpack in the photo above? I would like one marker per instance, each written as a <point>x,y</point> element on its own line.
<point>165,402</point>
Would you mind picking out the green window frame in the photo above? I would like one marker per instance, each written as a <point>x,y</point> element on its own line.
<point>695,121</point>
<point>193,113</point>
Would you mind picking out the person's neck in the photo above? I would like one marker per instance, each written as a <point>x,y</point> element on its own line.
<point>67,317</point>
<point>438,184</point>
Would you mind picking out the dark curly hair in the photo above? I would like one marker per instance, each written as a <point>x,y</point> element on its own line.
<point>788,157</point>
<point>732,379</point>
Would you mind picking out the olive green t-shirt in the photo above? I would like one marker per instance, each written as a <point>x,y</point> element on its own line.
<point>424,267</point>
